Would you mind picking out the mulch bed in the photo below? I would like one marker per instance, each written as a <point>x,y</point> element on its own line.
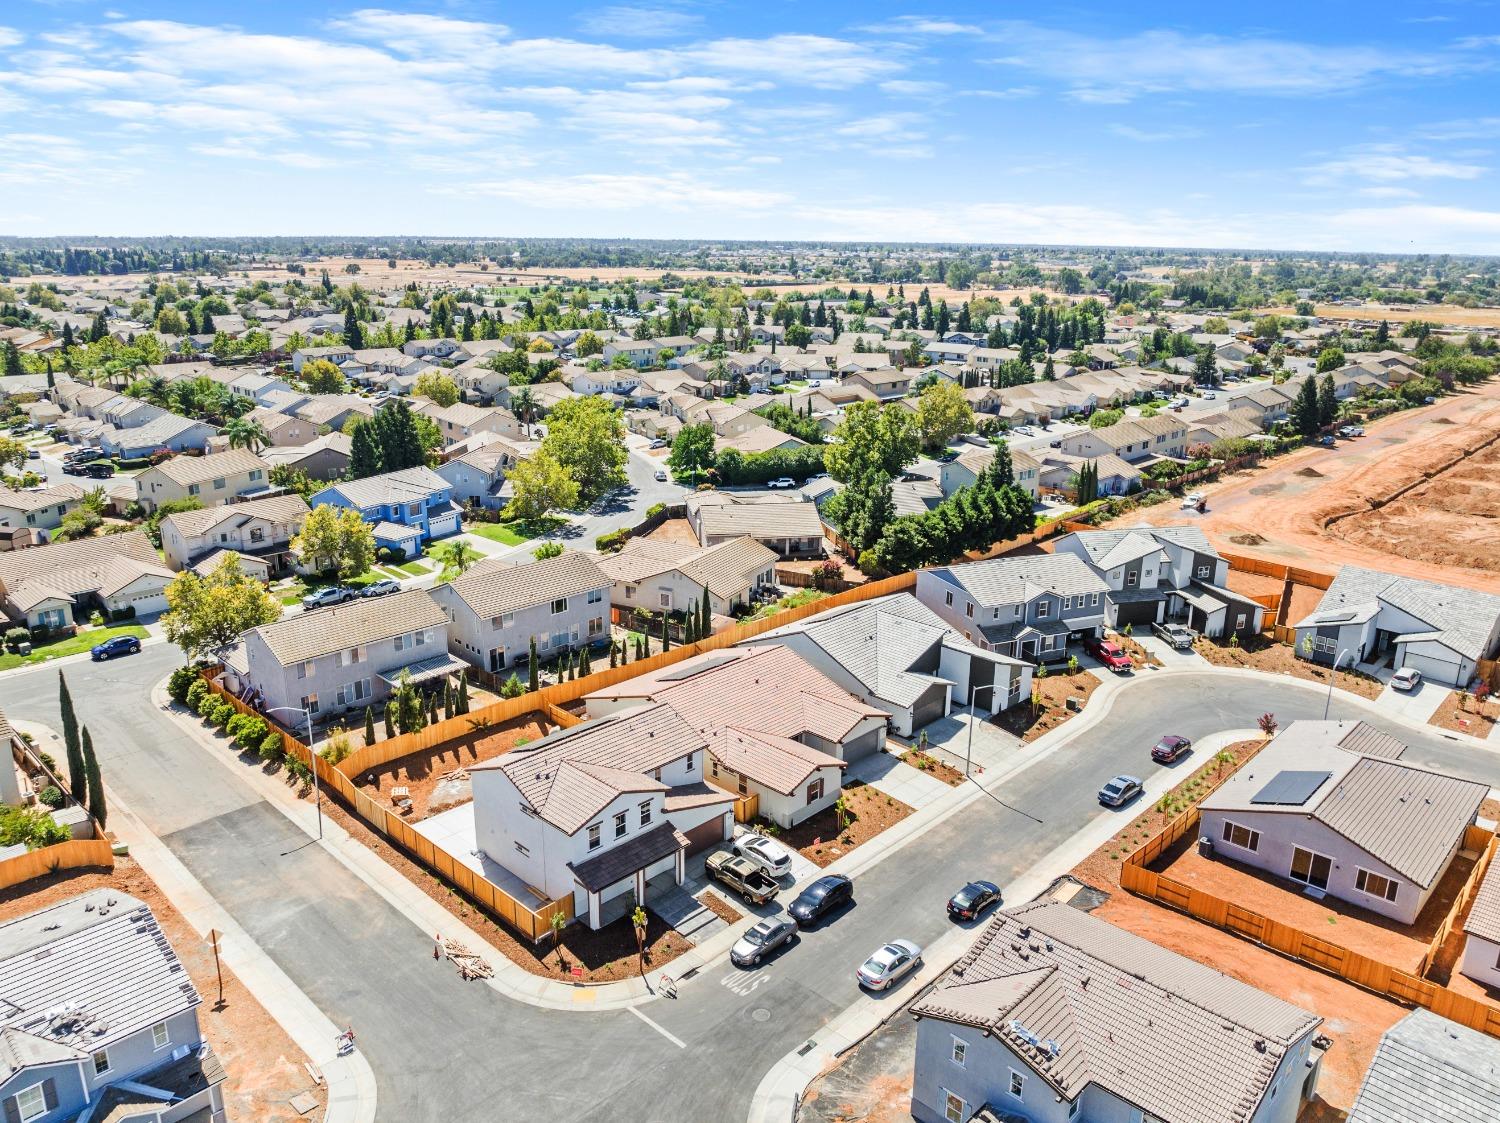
<point>868,812</point>
<point>933,767</point>
<point>1261,654</point>
<point>720,908</point>
<point>1470,717</point>
<point>1028,722</point>
<point>1138,654</point>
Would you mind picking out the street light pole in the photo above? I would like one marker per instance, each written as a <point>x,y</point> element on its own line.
<point>313,753</point>
<point>969,746</point>
<point>1333,674</point>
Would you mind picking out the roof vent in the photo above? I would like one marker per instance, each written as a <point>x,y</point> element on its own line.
<point>1260,1044</point>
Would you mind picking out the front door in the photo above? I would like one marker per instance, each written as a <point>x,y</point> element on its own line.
<point>1311,869</point>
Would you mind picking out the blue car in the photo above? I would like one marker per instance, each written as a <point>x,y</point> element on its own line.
<point>120,645</point>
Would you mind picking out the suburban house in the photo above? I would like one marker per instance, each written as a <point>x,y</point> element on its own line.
<point>1481,958</point>
<point>496,608</point>
<point>341,659</point>
<point>322,458</point>
<point>896,654</point>
<point>220,477</point>
<point>970,465</point>
<point>414,505</point>
<point>167,431</point>
<point>1367,616</point>
<point>334,410</point>
<point>786,524</point>
<point>335,354</point>
<point>660,576</point>
<point>640,352</point>
<point>600,810</point>
<point>1057,1016</point>
<point>460,421</point>
<point>1024,607</point>
<point>101,1021</point>
<point>49,586</point>
<point>1428,1069</point>
<point>886,383</point>
<point>1331,806</point>
<point>261,529</point>
<point>1132,439</point>
<point>40,509</point>
<point>1161,573</point>
<point>478,476</point>
<point>283,429</point>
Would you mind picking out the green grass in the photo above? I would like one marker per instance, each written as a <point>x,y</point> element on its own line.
<point>504,533</point>
<point>794,600</point>
<point>413,568</point>
<point>70,646</point>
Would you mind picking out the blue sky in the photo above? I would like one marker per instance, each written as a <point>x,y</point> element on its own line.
<point>1322,126</point>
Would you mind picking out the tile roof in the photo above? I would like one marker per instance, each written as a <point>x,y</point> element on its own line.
<point>619,862</point>
<point>290,508</point>
<point>85,566</point>
<point>781,517</point>
<point>1109,548</point>
<point>1013,580</point>
<point>1484,914</point>
<point>495,586</point>
<point>725,569</point>
<point>778,763</point>
<point>1461,619</point>
<point>35,500</point>
<point>185,470</point>
<point>1430,1070</point>
<point>1083,1002</point>
<point>307,635</point>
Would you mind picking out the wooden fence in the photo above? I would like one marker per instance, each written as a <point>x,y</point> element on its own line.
<point>1245,564</point>
<point>561,717</point>
<point>1488,671</point>
<point>1485,842</point>
<point>72,855</point>
<point>1294,943</point>
<point>746,807</point>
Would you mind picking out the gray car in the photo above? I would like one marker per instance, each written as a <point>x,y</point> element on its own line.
<point>382,588</point>
<point>333,594</point>
<point>760,941</point>
<point>1120,790</point>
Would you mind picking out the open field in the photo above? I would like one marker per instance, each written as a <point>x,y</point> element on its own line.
<point>1445,314</point>
<point>1321,508</point>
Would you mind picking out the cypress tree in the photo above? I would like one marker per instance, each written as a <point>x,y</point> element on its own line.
<point>706,607</point>
<point>447,699</point>
<point>390,720</point>
<point>533,681</point>
<point>463,692</point>
<point>666,635</point>
<point>614,656</point>
<point>95,781</point>
<point>585,667</point>
<point>77,775</point>
<point>369,725</point>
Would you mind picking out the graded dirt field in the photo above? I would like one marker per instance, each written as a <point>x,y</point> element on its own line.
<point>1443,314</point>
<point>1320,508</point>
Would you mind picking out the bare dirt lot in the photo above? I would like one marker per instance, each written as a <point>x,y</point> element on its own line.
<point>1436,314</point>
<point>1443,530</point>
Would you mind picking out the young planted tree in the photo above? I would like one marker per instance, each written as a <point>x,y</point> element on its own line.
<point>369,725</point>
<point>77,773</point>
<point>534,682</point>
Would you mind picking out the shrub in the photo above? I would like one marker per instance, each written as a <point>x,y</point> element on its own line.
<point>222,714</point>
<point>196,691</point>
<point>270,747</point>
<point>512,687</point>
<point>236,723</point>
<point>252,731</point>
<point>335,746</point>
<point>614,540</point>
<point>51,796</point>
<point>181,682</point>
<point>206,703</point>
<point>655,509</point>
<point>14,636</point>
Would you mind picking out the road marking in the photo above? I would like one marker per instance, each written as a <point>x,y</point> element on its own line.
<point>674,1040</point>
<point>743,983</point>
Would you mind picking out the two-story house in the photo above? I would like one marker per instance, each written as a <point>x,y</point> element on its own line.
<point>460,421</point>
<point>42,509</point>
<point>1024,607</point>
<point>260,529</point>
<point>407,509</point>
<point>335,353</point>
<point>1132,439</point>
<point>1161,573</point>
<point>658,576</point>
<point>430,348</point>
<point>640,352</point>
<point>478,476</point>
<point>100,1020</point>
<point>220,477</point>
<point>283,429</point>
<point>970,465</point>
<point>496,608</point>
<point>339,660</point>
<point>1057,1016</point>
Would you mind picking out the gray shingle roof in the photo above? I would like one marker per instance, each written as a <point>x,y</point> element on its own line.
<point>1430,1070</point>
<point>290,509</point>
<point>1015,580</point>
<point>185,470</point>
<point>493,587</point>
<point>1109,548</point>
<point>308,635</point>
<point>1484,914</point>
<point>410,485</point>
<point>1461,618</point>
<point>1167,1034</point>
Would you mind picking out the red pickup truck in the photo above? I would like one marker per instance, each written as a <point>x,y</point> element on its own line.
<point>1108,653</point>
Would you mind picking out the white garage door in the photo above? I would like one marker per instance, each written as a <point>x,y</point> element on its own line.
<point>1434,670</point>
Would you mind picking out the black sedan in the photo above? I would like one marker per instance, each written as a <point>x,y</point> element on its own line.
<point>822,897</point>
<point>1170,749</point>
<point>973,899</point>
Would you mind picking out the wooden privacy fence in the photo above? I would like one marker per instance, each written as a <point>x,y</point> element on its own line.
<point>1245,564</point>
<point>1361,970</point>
<point>75,854</point>
<point>746,807</point>
<point>1488,671</point>
<point>1475,838</point>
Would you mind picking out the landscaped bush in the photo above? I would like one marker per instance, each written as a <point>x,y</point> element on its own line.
<point>614,540</point>
<point>207,703</point>
<point>655,509</point>
<point>196,691</point>
<point>51,796</point>
<point>16,636</point>
<point>235,723</point>
<point>181,682</point>
<point>126,613</point>
<point>270,747</point>
<point>252,732</point>
<point>221,713</point>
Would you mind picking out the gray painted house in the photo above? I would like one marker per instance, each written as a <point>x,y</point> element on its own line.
<point>1369,616</point>
<point>1161,573</point>
<point>100,1021</point>
<point>1024,607</point>
<point>1331,807</point>
<point>1055,1016</point>
<point>1430,1070</point>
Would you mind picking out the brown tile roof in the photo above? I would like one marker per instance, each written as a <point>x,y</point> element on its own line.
<point>42,497</point>
<point>185,470</point>
<point>791,518</point>
<point>69,569</point>
<point>291,508</point>
<point>1484,913</point>
<point>494,586</point>
<point>308,635</point>
<point>778,763</point>
<point>1083,1002</point>
<point>726,569</point>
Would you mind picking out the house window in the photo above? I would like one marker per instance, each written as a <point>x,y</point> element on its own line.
<point>1073,1108</point>
<point>310,703</point>
<point>1239,622</point>
<point>969,610</point>
<point>1243,837</point>
<point>559,606</point>
<point>953,1107</point>
<point>1094,603</point>
<point>522,850</point>
<point>423,636</point>
<point>960,1051</point>
<point>1201,572</point>
<point>305,670</point>
<point>219,484</point>
<point>160,1038</point>
<point>645,813</point>
<point>193,489</point>
<point>1043,609</point>
<point>101,1062</point>
<point>593,836</point>
<point>744,788</point>
<point>621,826</point>
<point>713,767</point>
<point>630,592</point>
<point>815,790</point>
<point>31,1102</point>
<point>1017,1083</point>
<point>948,599</point>
<point>1375,885</point>
<point>596,596</point>
<point>596,625</point>
<point>1130,578</point>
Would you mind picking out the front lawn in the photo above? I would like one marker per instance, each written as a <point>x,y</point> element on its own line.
<point>72,645</point>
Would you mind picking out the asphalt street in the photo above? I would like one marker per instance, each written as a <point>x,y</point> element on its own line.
<point>445,1050</point>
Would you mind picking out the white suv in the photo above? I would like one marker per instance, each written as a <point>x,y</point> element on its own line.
<point>769,855</point>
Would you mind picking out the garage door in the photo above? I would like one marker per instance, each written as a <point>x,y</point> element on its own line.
<point>930,707</point>
<point>1135,612</point>
<point>706,834</point>
<point>1435,670</point>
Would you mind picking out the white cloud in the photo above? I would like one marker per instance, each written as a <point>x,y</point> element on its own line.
<point>905,88</point>
<point>1477,42</point>
<point>621,192</point>
<point>1009,94</point>
<point>412,33</point>
<point>1153,136</point>
<point>1388,164</point>
<point>809,60</point>
<point>10,37</point>
<point>1474,128</point>
<point>1416,228</point>
<point>1387,193</point>
<point>922,25</point>
<point>625,21</point>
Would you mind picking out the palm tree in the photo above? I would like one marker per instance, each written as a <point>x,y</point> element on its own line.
<point>246,433</point>
<point>455,555</point>
<point>155,389</point>
<point>524,405</point>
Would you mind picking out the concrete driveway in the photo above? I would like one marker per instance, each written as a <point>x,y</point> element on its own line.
<point>992,748</point>
<point>1417,705</point>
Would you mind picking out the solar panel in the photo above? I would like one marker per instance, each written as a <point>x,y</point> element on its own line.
<point>1337,618</point>
<point>697,668</point>
<point>1291,789</point>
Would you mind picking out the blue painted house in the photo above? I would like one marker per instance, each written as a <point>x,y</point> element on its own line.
<point>407,509</point>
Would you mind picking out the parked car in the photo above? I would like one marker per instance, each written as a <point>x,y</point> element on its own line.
<point>1120,790</point>
<point>72,468</point>
<point>760,941</point>
<point>1407,678</point>
<point>1176,635</point>
<point>743,876</point>
<point>382,588</point>
<point>1171,748</point>
<point>1209,395</point>
<point>1191,501</point>
<point>119,645</point>
<point>970,902</point>
<point>889,963</point>
<point>828,894</point>
<point>766,853</point>
<point>33,454</point>
<point>658,443</point>
<point>1055,444</point>
<point>99,470</point>
<point>84,455</point>
<point>1357,431</point>
<point>333,594</point>
<point>661,475</point>
<point>1428,400</point>
<point>1326,440</point>
<point>1108,653</point>
<point>782,481</point>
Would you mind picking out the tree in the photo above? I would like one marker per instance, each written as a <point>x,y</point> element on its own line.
<point>534,671</point>
<point>77,777</point>
<point>354,335</point>
<point>540,485</point>
<point>364,453</point>
<point>587,437</point>
<point>1205,367</point>
<point>872,439</point>
<point>1103,418</point>
<point>692,451</point>
<point>95,782</point>
<point>1304,408</point>
<point>12,453</point>
<point>1330,358</point>
<point>547,550</point>
<point>245,433</point>
<point>455,555</point>
<point>1328,406</point>
<point>206,614</point>
<point>524,405</point>
<point>322,377</point>
<point>942,414</point>
<point>333,539</point>
<point>436,387</point>
<point>705,615</point>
